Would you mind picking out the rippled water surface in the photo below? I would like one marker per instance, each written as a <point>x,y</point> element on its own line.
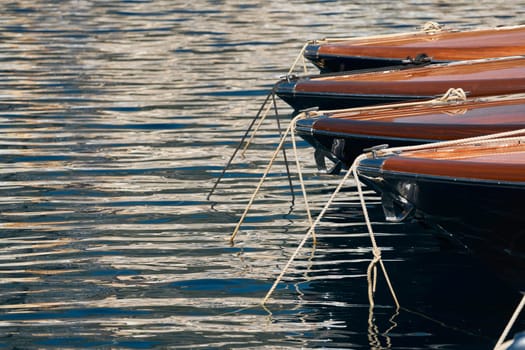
<point>116,119</point>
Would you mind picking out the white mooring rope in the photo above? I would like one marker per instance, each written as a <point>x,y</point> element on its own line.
<point>299,56</point>
<point>265,174</point>
<point>510,324</point>
<point>375,249</point>
<point>371,274</point>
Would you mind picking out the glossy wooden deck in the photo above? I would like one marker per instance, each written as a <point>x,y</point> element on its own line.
<point>492,77</point>
<point>441,46</point>
<point>497,161</point>
<point>443,121</point>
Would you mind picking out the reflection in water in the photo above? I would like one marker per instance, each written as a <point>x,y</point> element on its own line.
<point>117,117</point>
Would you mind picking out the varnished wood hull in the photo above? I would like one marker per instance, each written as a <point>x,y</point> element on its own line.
<point>344,134</point>
<point>477,78</point>
<point>392,50</point>
<point>474,192</point>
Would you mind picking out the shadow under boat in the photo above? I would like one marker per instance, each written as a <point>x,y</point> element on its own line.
<point>432,44</point>
<point>372,87</point>
<point>340,136</point>
<point>435,280</point>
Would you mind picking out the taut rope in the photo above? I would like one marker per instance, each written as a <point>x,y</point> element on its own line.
<point>375,250</point>
<point>265,174</point>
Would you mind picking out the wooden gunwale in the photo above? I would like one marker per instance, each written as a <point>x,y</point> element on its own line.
<point>443,121</point>
<point>423,132</point>
<point>491,77</point>
<point>441,45</point>
<point>495,161</point>
<point>459,111</point>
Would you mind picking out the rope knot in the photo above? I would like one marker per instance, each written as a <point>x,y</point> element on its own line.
<point>377,254</point>
<point>432,27</point>
<point>454,94</point>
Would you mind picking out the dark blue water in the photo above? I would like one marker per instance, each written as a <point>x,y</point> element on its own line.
<point>116,118</point>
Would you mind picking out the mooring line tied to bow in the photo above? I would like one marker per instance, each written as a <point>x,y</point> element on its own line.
<point>265,173</point>
<point>371,272</point>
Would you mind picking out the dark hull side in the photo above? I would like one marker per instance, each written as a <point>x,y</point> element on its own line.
<point>328,101</point>
<point>359,89</point>
<point>347,145</point>
<point>336,55</point>
<point>343,146</point>
<point>484,215</point>
<point>335,63</point>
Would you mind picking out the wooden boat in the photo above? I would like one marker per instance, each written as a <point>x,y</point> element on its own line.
<point>342,135</point>
<point>432,45</point>
<point>476,78</point>
<point>472,190</point>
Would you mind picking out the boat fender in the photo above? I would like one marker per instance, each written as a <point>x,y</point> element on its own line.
<point>395,207</point>
<point>320,160</point>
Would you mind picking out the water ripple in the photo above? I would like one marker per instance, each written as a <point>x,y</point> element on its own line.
<point>116,119</point>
